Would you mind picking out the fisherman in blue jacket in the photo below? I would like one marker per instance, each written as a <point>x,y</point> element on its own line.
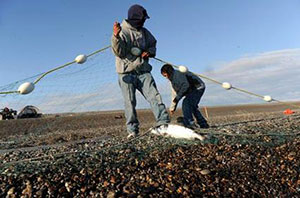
<point>133,45</point>
<point>191,88</point>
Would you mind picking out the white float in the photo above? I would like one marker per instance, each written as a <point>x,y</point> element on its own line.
<point>26,88</point>
<point>136,51</point>
<point>182,69</point>
<point>177,131</point>
<point>80,58</point>
<point>226,85</point>
<point>268,98</point>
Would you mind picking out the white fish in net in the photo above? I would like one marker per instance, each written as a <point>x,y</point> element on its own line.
<point>176,131</point>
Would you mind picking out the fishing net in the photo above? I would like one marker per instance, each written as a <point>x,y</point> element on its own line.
<point>93,87</point>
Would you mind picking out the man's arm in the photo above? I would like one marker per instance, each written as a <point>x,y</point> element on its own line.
<point>184,86</point>
<point>151,50</point>
<point>174,101</point>
<point>118,44</point>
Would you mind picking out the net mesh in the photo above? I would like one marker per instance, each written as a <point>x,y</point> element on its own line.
<point>93,86</point>
<point>76,88</point>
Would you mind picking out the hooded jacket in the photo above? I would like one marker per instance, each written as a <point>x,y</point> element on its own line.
<point>131,37</point>
<point>183,84</point>
<point>137,16</point>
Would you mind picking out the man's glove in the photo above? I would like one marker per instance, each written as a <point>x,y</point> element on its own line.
<point>117,29</point>
<point>145,55</point>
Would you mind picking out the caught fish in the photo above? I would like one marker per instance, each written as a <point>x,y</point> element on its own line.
<point>176,131</point>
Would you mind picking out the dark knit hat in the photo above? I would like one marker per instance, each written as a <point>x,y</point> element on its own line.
<point>137,12</point>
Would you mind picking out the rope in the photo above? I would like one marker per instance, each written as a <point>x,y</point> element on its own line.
<point>98,51</point>
<point>248,121</point>
<point>238,89</point>
<point>57,68</point>
<point>158,59</point>
<point>52,70</point>
<point>249,135</point>
<point>245,122</point>
<point>287,103</point>
<point>9,92</point>
<point>67,64</point>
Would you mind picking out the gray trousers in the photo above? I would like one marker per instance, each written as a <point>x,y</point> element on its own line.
<point>145,84</point>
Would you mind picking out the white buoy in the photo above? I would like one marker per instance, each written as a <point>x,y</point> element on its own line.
<point>136,51</point>
<point>183,69</point>
<point>226,85</point>
<point>26,88</point>
<point>268,98</point>
<point>81,59</point>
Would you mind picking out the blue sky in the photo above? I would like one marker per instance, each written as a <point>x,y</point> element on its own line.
<point>205,35</point>
<point>38,35</point>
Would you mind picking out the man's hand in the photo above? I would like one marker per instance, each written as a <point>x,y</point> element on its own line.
<point>172,112</point>
<point>145,55</point>
<point>175,100</point>
<point>117,29</point>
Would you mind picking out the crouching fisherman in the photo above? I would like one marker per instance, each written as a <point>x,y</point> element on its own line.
<point>189,86</point>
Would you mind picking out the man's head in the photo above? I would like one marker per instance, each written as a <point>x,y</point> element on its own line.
<point>167,71</point>
<point>137,16</point>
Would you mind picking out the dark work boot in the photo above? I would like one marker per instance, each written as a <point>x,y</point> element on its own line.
<point>191,126</point>
<point>203,125</point>
<point>179,120</point>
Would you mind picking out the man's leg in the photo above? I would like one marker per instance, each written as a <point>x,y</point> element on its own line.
<point>127,85</point>
<point>187,111</point>
<point>197,94</point>
<point>149,90</point>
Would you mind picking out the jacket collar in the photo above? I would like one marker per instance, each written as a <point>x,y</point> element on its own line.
<point>127,25</point>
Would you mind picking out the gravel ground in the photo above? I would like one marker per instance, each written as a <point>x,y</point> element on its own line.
<point>245,155</point>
